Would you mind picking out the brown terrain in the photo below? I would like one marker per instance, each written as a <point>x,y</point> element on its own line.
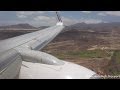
<point>94,46</point>
<point>75,41</point>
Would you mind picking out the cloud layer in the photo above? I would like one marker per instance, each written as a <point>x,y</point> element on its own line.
<point>112,13</point>
<point>91,21</point>
<point>48,18</point>
<point>39,18</point>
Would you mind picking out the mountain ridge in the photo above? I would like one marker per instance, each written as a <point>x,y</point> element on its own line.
<point>106,27</point>
<point>17,26</point>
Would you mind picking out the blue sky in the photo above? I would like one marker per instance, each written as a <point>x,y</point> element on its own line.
<point>40,18</point>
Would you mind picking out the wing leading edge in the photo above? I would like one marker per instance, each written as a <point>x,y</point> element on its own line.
<point>36,40</point>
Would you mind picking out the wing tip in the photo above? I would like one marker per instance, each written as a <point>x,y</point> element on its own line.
<point>60,23</point>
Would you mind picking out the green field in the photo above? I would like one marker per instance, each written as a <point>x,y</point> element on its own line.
<point>83,54</point>
<point>114,66</point>
<point>116,56</point>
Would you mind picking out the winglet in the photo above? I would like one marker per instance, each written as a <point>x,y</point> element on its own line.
<point>59,23</point>
<point>59,19</point>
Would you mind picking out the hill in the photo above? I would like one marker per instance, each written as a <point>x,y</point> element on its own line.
<point>101,27</point>
<point>17,27</point>
<point>43,27</point>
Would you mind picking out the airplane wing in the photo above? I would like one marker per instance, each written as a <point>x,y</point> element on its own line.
<point>36,40</point>
<point>20,58</point>
<point>10,48</point>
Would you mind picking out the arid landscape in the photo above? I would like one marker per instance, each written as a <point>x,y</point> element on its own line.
<point>95,46</point>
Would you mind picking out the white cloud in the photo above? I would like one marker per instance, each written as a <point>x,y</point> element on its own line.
<point>38,18</point>
<point>21,16</point>
<point>87,12</point>
<point>112,13</point>
<point>51,11</point>
<point>40,12</point>
<point>91,21</point>
<point>41,18</point>
<point>102,14</point>
<point>69,21</point>
<point>25,14</point>
<point>44,20</point>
